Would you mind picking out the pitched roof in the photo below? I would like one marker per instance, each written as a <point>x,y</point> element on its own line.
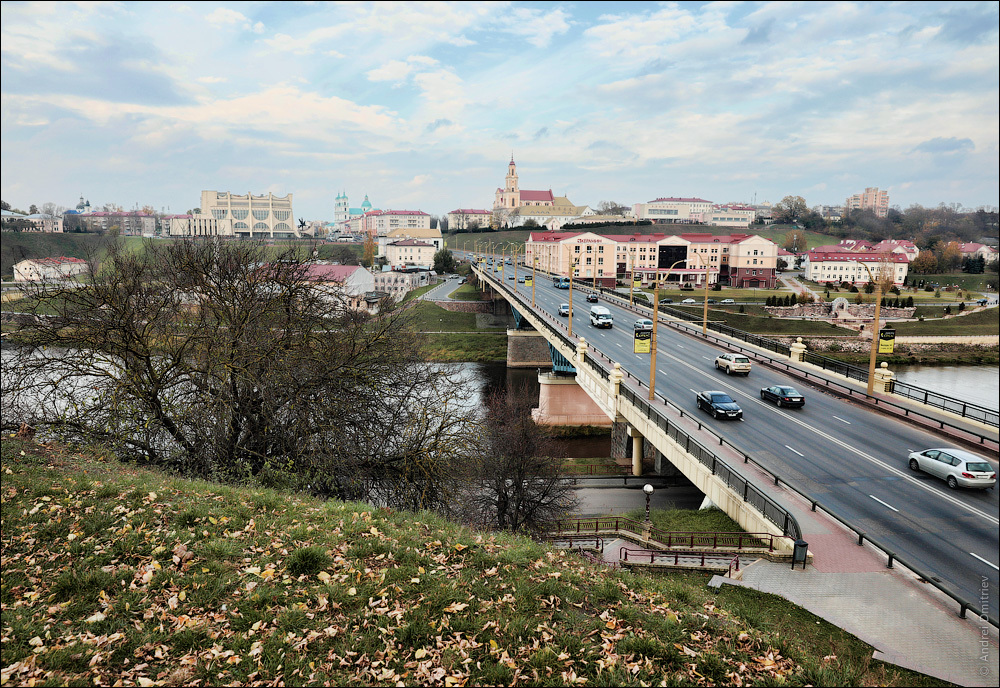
<point>860,257</point>
<point>532,195</point>
<point>411,242</point>
<point>331,273</point>
<point>470,211</point>
<point>680,200</point>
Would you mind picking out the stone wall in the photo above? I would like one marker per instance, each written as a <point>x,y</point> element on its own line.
<point>527,349</point>
<point>822,310</point>
<point>466,306</point>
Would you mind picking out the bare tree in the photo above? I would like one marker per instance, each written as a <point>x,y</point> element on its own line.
<point>513,479</point>
<point>215,359</point>
<point>612,208</point>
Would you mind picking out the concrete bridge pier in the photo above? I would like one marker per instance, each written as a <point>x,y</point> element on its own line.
<point>527,349</point>
<point>562,402</point>
<point>637,447</point>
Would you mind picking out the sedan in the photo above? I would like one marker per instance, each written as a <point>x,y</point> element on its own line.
<point>564,309</point>
<point>956,467</point>
<point>591,298</point>
<point>510,277</point>
<point>689,301</point>
<point>783,396</point>
<point>728,301</point>
<point>719,404</point>
<point>643,324</point>
<point>520,280</point>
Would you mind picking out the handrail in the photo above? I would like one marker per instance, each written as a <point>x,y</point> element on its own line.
<point>706,539</point>
<point>625,552</point>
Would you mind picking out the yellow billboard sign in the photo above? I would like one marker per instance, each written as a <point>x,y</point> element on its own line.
<point>642,341</point>
<point>886,341</point>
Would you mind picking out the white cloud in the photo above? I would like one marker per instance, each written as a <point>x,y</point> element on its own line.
<point>212,79</point>
<point>223,16</point>
<point>397,71</point>
<point>536,27</point>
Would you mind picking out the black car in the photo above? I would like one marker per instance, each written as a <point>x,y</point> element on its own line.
<point>666,300</point>
<point>783,396</point>
<point>719,404</point>
<point>591,298</point>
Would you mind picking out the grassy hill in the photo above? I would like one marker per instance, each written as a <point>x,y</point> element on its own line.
<point>113,573</point>
<point>18,246</point>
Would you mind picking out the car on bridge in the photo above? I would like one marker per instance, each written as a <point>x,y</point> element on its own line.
<point>719,404</point>
<point>591,298</point>
<point>520,280</point>
<point>733,363</point>
<point>728,301</point>
<point>643,324</point>
<point>689,301</point>
<point>956,467</point>
<point>783,396</point>
<point>564,309</point>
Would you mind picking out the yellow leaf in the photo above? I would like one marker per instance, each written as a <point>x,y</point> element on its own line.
<point>459,547</point>
<point>204,570</point>
<point>96,617</point>
<point>267,574</point>
<point>323,576</point>
<point>182,595</point>
<point>455,607</point>
<point>352,591</point>
<point>212,520</point>
<point>420,653</point>
<point>252,569</point>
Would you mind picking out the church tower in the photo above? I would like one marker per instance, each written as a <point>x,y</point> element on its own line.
<point>341,211</point>
<point>510,195</point>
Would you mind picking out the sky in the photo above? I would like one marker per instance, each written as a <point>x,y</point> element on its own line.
<point>421,105</point>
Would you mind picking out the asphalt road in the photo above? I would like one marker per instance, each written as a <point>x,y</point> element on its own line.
<point>853,460</point>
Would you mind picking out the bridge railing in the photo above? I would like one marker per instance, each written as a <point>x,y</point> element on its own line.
<point>687,539</point>
<point>656,556</point>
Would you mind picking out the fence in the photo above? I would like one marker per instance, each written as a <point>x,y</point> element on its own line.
<point>692,559</point>
<point>690,540</point>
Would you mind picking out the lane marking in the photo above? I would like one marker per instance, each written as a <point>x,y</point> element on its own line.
<point>834,440</point>
<point>792,450</point>
<point>842,420</point>
<point>884,504</point>
<point>988,563</point>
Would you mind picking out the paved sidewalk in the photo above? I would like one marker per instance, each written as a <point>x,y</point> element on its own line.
<point>909,623</point>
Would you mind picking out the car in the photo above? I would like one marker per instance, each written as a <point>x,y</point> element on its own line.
<point>564,309</point>
<point>956,467</point>
<point>783,395</point>
<point>719,404</point>
<point>982,302</point>
<point>728,301</point>
<point>689,301</point>
<point>510,277</point>
<point>666,300</point>
<point>733,363</point>
<point>591,298</point>
<point>520,280</point>
<point>711,300</point>
<point>643,324</point>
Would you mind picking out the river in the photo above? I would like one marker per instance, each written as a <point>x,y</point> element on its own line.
<point>975,384</point>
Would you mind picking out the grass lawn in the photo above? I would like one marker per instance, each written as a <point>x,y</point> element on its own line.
<point>984,322</point>
<point>761,325</point>
<point>467,292</point>
<point>118,574</point>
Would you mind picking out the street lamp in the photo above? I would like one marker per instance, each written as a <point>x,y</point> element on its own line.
<point>875,328</point>
<point>656,321</point>
<point>534,264</point>
<point>572,273</point>
<point>648,489</point>
<point>704,321</point>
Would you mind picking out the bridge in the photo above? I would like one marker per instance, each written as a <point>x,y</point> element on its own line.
<point>844,451</point>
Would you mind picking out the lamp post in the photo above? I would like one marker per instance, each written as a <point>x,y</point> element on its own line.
<point>704,316</point>
<point>875,329</point>
<point>648,490</point>
<point>572,273</point>
<point>534,264</point>
<point>656,321</point>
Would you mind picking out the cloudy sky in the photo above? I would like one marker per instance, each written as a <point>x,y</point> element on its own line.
<point>420,105</point>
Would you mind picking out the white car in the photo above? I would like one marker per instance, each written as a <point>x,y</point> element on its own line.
<point>733,363</point>
<point>643,324</point>
<point>728,301</point>
<point>956,467</point>
<point>689,301</point>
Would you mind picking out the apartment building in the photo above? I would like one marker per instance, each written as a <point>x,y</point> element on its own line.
<point>872,199</point>
<point>410,253</point>
<point>851,267</point>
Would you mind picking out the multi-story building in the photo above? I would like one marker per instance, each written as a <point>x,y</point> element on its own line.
<point>350,285</point>
<point>425,234</point>
<point>256,217</point>
<point>511,196</point>
<point>974,250</point>
<point>737,216</point>
<point>398,284</point>
<point>908,248</point>
<point>410,253</point>
<point>468,218</point>
<point>129,223</point>
<point>201,226</point>
<point>872,199</point>
<point>383,222</point>
<point>673,210</point>
<point>36,222</point>
<point>738,259</point>
<point>850,267</point>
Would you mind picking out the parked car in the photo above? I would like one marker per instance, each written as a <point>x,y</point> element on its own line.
<point>643,324</point>
<point>689,301</point>
<point>733,363</point>
<point>719,404</point>
<point>956,467</point>
<point>591,298</point>
<point>728,301</point>
<point>783,396</point>
<point>564,309</point>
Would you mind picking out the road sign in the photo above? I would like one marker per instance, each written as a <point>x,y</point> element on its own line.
<point>642,341</point>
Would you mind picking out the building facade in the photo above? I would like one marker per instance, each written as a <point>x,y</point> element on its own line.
<point>511,196</point>
<point>398,284</point>
<point>41,269</point>
<point>407,253</point>
<point>255,217</point>
<point>424,234</point>
<point>670,211</point>
<point>383,222</point>
<point>468,218</point>
<point>872,199</point>
<point>838,267</point>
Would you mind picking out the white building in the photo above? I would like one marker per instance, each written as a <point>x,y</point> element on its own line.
<point>734,216</point>
<point>200,226</point>
<point>257,217</point>
<point>425,234</point>
<point>410,253</point>
<point>41,269</point>
<point>384,222</point>
<point>837,267</point>
<point>469,218</point>
<point>350,283</point>
<point>673,210</point>
<point>398,284</point>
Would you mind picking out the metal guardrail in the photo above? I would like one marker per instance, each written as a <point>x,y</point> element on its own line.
<point>656,556</point>
<point>689,539</point>
<point>704,456</point>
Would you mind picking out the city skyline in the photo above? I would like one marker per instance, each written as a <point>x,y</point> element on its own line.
<point>421,106</point>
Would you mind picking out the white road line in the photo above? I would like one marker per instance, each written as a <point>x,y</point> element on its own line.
<point>984,561</point>
<point>706,358</point>
<point>834,440</point>
<point>883,503</point>
<point>679,346</point>
<point>842,420</point>
<point>792,450</point>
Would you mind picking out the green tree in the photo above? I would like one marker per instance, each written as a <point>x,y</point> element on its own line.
<point>789,209</point>
<point>444,262</point>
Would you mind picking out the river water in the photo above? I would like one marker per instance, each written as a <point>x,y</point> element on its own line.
<point>974,384</point>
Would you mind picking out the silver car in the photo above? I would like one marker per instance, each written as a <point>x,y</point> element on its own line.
<point>956,467</point>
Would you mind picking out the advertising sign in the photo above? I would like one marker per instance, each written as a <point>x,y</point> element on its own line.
<point>528,281</point>
<point>642,341</point>
<point>637,281</point>
<point>886,341</point>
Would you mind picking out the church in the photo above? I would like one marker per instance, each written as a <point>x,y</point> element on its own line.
<point>510,197</point>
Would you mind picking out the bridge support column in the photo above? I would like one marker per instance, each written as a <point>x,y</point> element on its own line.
<point>562,402</point>
<point>637,446</point>
<point>527,349</point>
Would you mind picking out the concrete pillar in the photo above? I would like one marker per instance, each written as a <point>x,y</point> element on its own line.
<point>798,350</point>
<point>637,446</point>
<point>562,402</point>
<point>883,379</point>
<point>527,349</point>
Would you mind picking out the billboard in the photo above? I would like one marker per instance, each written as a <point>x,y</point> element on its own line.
<point>886,341</point>
<point>642,341</point>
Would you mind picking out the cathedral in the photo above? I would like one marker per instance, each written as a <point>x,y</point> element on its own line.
<point>511,197</point>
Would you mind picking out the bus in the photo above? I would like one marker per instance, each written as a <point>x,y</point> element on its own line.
<point>560,282</point>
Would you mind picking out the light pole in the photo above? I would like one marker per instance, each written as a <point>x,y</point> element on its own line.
<point>875,328</point>
<point>534,264</point>
<point>704,321</point>
<point>572,272</point>
<point>656,321</point>
<point>648,490</point>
